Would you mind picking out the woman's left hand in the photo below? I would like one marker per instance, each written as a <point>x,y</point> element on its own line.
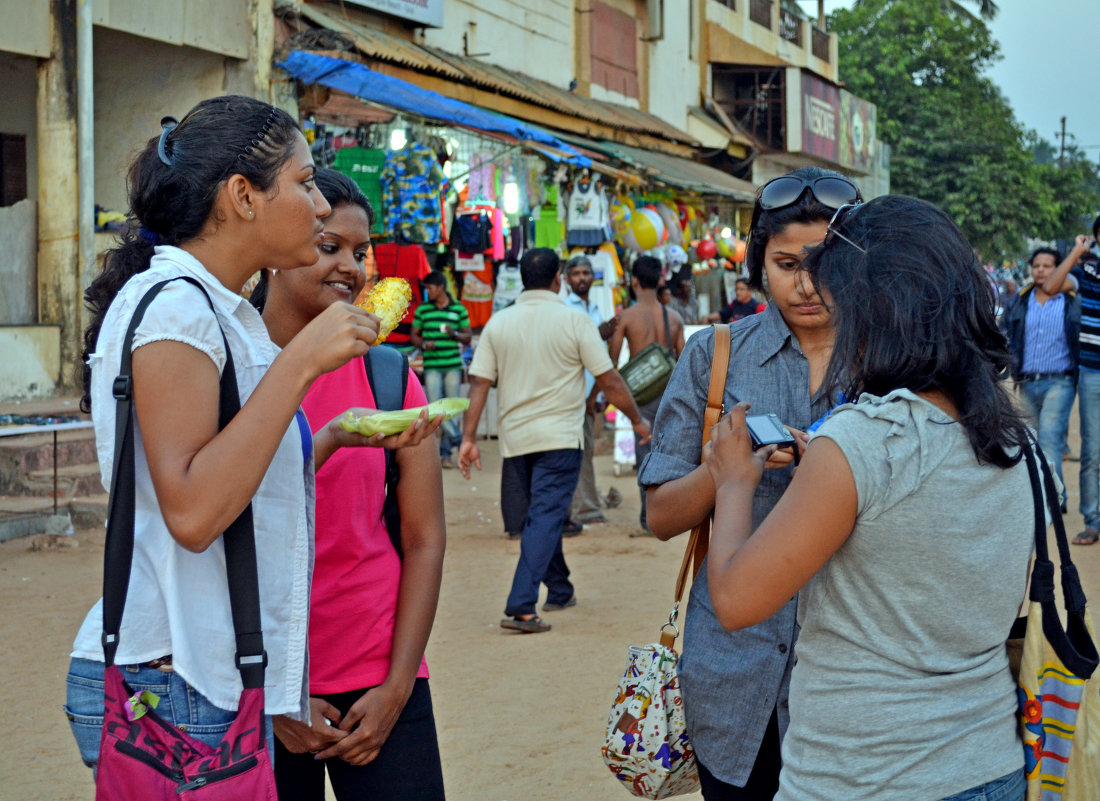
<point>368,723</point>
<point>413,435</point>
<point>729,455</point>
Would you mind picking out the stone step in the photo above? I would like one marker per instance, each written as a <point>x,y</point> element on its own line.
<point>89,511</point>
<point>73,481</point>
<point>25,454</point>
<point>28,515</point>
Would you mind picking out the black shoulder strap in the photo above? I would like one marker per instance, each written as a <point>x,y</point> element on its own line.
<point>1073,644</point>
<point>392,368</point>
<point>239,539</point>
<point>668,331</point>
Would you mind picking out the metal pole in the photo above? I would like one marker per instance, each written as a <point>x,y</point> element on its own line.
<point>55,471</point>
<point>1062,152</point>
<point>85,142</point>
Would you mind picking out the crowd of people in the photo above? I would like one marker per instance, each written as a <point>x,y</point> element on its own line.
<point>859,563</point>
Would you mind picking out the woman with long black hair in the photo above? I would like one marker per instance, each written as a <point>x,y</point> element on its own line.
<point>906,531</point>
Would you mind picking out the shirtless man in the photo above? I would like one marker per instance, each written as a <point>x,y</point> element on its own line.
<point>642,324</point>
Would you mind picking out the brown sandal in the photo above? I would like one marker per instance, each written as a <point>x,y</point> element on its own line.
<point>531,625</point>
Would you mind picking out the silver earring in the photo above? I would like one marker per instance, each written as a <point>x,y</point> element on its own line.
<point>250,214</point>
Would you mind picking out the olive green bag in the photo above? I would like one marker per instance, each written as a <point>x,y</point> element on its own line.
<point>647,373</point>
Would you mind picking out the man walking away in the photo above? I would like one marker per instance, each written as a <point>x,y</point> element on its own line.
<point>585,507</point>
<point>643,324</point>
<point>440,328</point>
<point>537,351</point>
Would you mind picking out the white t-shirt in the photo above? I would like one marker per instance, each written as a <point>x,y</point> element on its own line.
<point>178,601</point>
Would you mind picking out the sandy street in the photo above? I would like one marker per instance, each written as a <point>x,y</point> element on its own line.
<point>520,717</point>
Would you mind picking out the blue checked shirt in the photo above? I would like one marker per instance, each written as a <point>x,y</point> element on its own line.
<point>731,681</point>
<point>1045,347</point>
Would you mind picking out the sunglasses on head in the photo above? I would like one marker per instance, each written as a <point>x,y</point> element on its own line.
<point>831,191</point>
<point>833,233</point>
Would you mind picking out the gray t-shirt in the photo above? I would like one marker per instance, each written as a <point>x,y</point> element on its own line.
<point>901,688</point>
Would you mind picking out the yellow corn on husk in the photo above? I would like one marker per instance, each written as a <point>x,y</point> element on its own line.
<point>388,301</point>
<point>390,423</point>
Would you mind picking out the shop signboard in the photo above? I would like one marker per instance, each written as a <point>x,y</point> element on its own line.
<point>829,123</point>
<point>820,118</point>
<point>857,133</point>
<point>424,12</point>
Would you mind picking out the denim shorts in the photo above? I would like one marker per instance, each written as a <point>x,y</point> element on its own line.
<point>1012,787</point>
<point>180,704</point>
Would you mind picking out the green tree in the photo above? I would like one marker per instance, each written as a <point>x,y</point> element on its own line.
<point>1076,193</point>
<point>954,139</point>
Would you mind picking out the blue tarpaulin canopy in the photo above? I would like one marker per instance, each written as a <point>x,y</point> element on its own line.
<point>364,83</point>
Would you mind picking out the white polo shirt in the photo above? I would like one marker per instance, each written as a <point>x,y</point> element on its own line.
<point>536,351</point>
<point>178,601</point>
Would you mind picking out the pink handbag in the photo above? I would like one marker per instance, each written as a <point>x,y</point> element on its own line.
<point>143,757</point>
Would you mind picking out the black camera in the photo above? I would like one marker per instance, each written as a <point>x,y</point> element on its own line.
<point>767,429</point>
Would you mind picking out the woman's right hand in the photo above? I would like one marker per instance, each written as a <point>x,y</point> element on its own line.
<point>299,738</point>
<point>334,337</point>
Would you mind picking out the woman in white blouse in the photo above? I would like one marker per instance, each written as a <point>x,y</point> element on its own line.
<point>216,197</point>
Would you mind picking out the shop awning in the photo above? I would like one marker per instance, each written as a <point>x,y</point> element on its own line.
<point>361,81</point>
<point>673,170</point>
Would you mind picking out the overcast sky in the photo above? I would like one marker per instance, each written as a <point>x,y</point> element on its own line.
<point>1048,70</point>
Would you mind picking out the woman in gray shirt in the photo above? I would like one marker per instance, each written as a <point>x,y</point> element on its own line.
<point>735,685</point>
<point>907,529</point>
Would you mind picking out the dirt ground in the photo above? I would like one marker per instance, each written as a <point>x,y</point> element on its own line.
<point>520,717</point>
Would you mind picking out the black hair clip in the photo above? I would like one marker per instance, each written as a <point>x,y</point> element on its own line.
<point>261,136</point>
<point>168,124</point>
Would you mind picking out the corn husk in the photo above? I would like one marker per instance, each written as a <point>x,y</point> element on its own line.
<point>390,423</point>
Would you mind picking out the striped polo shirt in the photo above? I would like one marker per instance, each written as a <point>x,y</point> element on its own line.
<point>1088,278</point>
<point>429,319</point>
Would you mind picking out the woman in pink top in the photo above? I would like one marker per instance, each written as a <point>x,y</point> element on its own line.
<point>371,610</point>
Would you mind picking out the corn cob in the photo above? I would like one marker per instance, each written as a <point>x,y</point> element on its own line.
<point>390,423</point>
<point>388,301</point>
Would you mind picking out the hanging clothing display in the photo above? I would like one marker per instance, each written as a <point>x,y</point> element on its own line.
<point>586,214</point>
<point>408,262</point>
<point>472,232</point>
<point>549,231</point>
<point>477,296</point>
<point>481,185</point>
<point>509,285</point>
<point>364,166</point>
<point>412,184</point>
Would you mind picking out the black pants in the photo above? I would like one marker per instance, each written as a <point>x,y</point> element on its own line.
<point>515,494</point>
<point>763,782</point>
<point>407,767</point>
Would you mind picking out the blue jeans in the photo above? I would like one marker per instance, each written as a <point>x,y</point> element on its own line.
<point>551,478</point>
<point>439,384</point>
<point>1088,394</point>
<point>180,704</point>
<point>1012,787</point>
<point>1048,402</point>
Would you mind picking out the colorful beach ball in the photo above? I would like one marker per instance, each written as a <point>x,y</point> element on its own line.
<point>648,228</point>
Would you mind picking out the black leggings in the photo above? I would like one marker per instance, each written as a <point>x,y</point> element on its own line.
<point>763,782</point>
<point>407,767</point>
